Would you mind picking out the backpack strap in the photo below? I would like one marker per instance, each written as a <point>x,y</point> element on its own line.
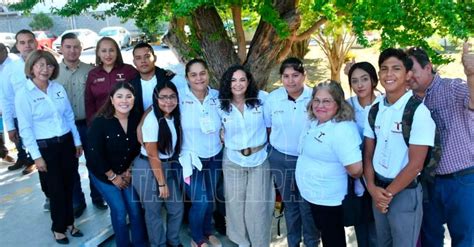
<point>407,118</point>
<point>372,116</point>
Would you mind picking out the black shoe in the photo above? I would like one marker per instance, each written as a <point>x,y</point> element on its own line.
<point>75,232</point>
<point>18,164</point>
<point>79,210</point>
<point>100,205</point>
<point>64,240</point>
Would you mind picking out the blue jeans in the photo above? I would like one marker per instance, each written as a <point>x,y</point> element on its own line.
<point>201,191</point>
<point>78,198</point>
<point>297,211</point>
<point>451,201</point>
<point>122,203</point>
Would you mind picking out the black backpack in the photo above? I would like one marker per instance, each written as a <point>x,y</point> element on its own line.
<point>434,153</point>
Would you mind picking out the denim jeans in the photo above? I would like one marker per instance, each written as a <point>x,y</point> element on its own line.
<point>297,211</point>
<point>122,203</point>
<point>451,201</point>
<point>202,192</point>
<point>78,198</point>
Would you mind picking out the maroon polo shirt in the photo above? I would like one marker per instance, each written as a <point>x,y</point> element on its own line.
<point>100,82</point>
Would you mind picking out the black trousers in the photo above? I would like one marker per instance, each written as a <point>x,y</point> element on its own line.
<point>329,220</point>
<point>59,153</point>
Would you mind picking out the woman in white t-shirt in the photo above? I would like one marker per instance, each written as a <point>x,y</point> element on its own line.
<point>155,170</point>
<point>248,186</point>
<point>329,151</point>
<point>363,82</point>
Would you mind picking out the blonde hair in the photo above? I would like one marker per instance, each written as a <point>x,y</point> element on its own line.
<point>344,111</point>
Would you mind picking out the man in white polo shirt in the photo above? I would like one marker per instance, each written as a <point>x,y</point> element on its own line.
<point>391,168</point>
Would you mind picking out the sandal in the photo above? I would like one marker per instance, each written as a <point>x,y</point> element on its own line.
<point>75,232</point>
<point>64,240</point>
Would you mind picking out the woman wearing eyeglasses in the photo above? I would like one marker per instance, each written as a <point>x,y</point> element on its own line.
<point>329,151</point>
<point>46,124</point>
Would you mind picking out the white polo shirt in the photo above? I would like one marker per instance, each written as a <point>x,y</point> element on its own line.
<point>326,149</point>
<point>44,116</point>
<point>244,130</point>
<point>287,119</point>
<point>13,80</point>
<point>361,113</point>
<point>201,123</point>
<point>150,130</point>
<point>391,152</point>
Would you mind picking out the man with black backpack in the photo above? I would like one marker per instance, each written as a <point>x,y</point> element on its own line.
<point>451,102</point>
<point>391,164</point>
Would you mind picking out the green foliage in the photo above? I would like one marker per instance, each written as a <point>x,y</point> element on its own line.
<point>41,21</point>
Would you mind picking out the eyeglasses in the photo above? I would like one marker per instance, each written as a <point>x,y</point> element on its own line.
<point>45,66</point>
<point>172,97</point>
<point>324,102</point>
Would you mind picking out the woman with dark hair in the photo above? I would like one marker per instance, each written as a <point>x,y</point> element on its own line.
<point>201,156</point>
<point>155,170</point>
<point>110,70</point>
<point>329,152</point>
<point>46,124</point>
<point>285,117</point>
<point>248,185</point>
<point>113,145</point>
<point>363,81</point>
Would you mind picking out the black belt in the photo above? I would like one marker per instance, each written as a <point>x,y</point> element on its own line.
<point>381,181</point>
<point>162,160</point>
<point>54,140</point>
<point>460,173</point>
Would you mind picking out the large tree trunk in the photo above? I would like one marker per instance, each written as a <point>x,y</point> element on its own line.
<point>266,44</point>
<point>217,48</point>
<point>176,39</point>
<point>299,49</point>
<point>239,32</point>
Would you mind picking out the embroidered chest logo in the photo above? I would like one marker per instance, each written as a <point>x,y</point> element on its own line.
<point>38,99</point>
<point>397,127</point>
<point>120,77</point>
<point>99,80</point>
<point>278,112</point>
<point>319,137</point>
<point>59,95</point>
<point>257,110</point>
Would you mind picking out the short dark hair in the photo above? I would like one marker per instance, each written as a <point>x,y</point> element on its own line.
<point>367,67</point>
<point>24,31</point>
<point>294,63</point>
<point>397,53</point>
<point>143,45</point>
<point>118,61</point>
<point>225,89</point>
<point>37,55</point>
<point>68,36</point>
<point>192,62</point>
<point>420,56</point>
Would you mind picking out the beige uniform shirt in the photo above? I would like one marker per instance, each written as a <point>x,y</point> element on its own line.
<point>74,81</point>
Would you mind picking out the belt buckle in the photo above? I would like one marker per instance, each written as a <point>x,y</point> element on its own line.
<point>246,152</point>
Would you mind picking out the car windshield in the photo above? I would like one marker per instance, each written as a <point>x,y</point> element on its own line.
<point>108,32</point>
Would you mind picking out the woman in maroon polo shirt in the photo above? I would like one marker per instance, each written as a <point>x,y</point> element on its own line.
<point>109,71</point>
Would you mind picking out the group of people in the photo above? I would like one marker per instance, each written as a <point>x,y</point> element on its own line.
<point>150,142</point>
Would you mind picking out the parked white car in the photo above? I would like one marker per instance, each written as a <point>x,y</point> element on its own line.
<point>87,37</point>
<point>8,39</point>
<point>119,34</point>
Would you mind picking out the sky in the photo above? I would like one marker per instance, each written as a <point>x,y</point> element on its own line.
<point>47,4</point>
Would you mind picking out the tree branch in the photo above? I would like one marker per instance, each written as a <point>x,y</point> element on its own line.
<point>239,32</point>
<point>307,34</point>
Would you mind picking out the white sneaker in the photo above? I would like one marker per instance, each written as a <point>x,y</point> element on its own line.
<point>214,241</point>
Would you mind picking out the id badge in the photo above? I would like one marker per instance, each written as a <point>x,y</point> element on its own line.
<point>207,125</point>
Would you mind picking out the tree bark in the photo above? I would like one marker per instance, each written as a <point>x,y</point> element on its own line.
<point>217,48</point>
<point>239,32</point>
<point>266,43</point>
<point>176,39</point>
<point>299,49</point>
